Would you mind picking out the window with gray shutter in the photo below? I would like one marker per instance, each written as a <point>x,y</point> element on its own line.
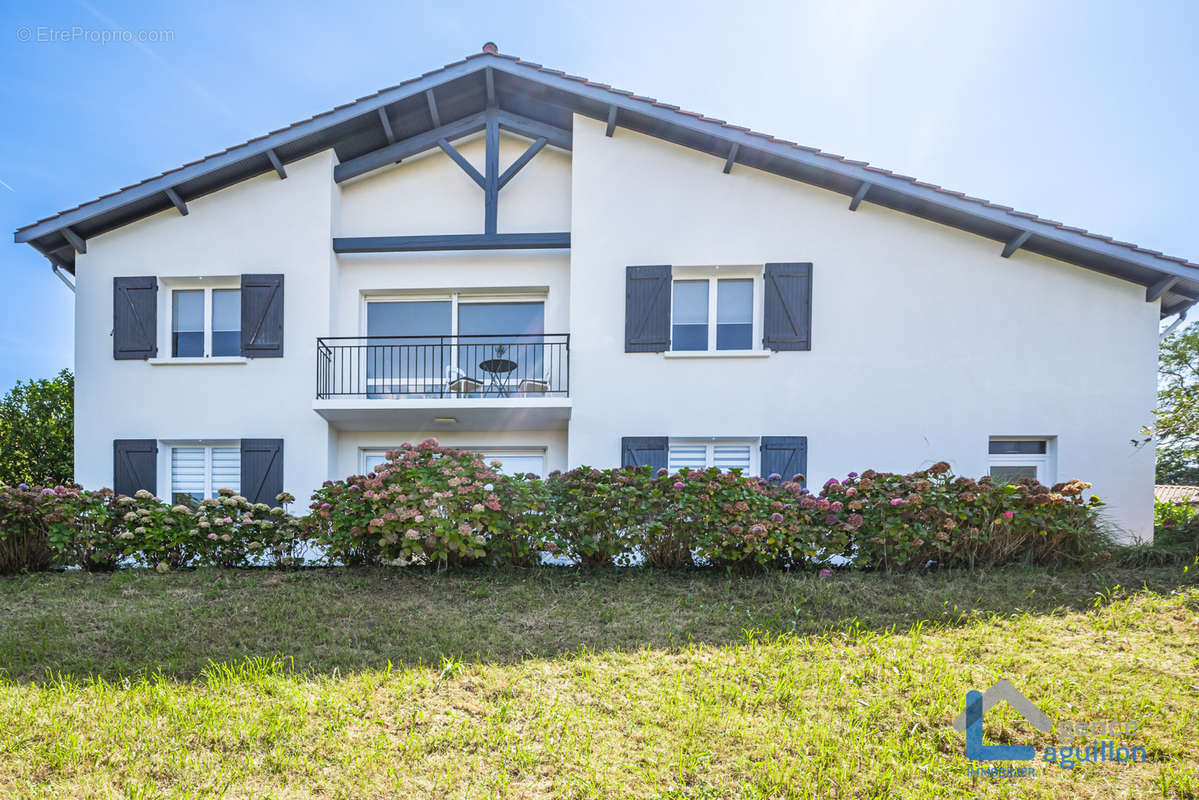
<point>647,309</point>
<point>135,317</point>
<point>262,470</point>
<point>787,307</point>
<point>262,316</point>
<point>785,456</point>
<point>135,466</point>
<point>643,451</point>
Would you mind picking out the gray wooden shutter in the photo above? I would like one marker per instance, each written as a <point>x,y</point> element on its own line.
<point>262,316</point>
<point>785,456</point>
<point>134,317</point>
<point>134,466</point>
<point>643,451</point>
<point>262,470</point>
<point>787,312</point>
<point>647,309</point>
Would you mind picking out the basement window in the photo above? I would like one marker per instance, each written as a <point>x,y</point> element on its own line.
<point>1011,458</point>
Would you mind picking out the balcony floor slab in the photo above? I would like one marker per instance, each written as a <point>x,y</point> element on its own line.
<point>470,414</point>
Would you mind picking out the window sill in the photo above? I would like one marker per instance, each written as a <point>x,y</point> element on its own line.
<point>716,353</point>
<point>179,362</point>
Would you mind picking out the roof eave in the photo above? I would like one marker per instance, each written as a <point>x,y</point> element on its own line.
<point>604,103</point>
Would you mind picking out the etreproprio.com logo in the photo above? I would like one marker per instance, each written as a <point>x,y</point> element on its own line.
<point>978,703</point>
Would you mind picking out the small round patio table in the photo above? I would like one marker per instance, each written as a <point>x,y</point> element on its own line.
<point>498,369</point>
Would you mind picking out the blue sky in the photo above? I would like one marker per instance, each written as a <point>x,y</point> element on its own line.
<point>1082,112</point>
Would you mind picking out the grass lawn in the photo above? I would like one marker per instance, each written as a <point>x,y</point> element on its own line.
<point>554,683</point>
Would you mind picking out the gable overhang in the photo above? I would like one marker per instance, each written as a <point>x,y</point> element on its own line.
<point>384,128</point>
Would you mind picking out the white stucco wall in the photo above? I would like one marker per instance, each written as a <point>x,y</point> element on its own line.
<point>262,225</point>
<point>430,194</point>
<point>924,341</point>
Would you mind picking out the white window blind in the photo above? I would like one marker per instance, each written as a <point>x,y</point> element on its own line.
<point>226,469</point>
<point>199,471</point>
<point>694,455</point>
<point>731,456</point>
<point>187,472</point>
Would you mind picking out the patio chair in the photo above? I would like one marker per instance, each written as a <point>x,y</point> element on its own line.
<point>536,386</point>
<point>457,381</point>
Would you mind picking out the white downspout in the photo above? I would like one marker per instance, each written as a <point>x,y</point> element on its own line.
<point>1181,317</point>
<point>62,276</point>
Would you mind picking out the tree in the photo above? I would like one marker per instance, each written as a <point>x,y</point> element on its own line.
<point>1176,425</point>
<point>37,431</point>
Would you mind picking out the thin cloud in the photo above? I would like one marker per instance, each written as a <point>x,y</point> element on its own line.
<point>212,100</point>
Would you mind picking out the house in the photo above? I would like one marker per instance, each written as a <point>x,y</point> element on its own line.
<point>555,272</point>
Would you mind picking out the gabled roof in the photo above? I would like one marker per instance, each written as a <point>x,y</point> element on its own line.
<point>551,97</point>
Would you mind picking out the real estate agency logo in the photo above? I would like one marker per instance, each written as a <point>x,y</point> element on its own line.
<point>978,703</point>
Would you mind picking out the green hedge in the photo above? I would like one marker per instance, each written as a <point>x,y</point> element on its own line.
<point>67,526</point>
<point>429,505</point>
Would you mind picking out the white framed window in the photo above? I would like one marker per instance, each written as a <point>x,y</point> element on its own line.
<point>728,454</point>
<point>203,317</point>
<point>514,461</point>
<point>517,462</point>
<point>715,309</point>
<point>443,336</point>
<point>1010,458</point>
<point>199,469</point>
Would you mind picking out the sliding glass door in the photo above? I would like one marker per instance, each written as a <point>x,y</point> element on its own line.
<point>415,364</point>
<point>465,344</point>
<point>502,343</point>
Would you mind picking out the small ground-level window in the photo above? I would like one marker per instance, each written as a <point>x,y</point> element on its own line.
<point>700,454</point>
<point>199,470</point>
<point>1011,458</point>
<point>517,462</point>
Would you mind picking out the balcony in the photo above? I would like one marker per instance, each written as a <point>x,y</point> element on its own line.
<point>421,383</point>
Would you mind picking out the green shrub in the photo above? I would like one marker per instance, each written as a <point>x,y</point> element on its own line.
<point>98,530</point>
<point>592,513</point>
<point>931,518</point>
<point>432,505</point>
<point>26,516</point>
<point>1175,538</point>
<point>733,521</point>
<point>424,505</point>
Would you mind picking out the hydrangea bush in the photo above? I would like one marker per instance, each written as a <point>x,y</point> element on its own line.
<point>932,518</point>
<point>99,530</point>
<point>427,504</point>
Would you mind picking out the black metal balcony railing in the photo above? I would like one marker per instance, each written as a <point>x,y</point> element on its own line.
<point>393,367</point>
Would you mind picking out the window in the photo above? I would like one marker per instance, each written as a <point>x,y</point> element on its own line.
<point>205,322</point>
<point>1009,459</point>
<point>727,454</point>
<point>514,462</point>
<point>505,331</point>
<point>728,301</point>
<point>517,462</point>
<point>198,471</point>
<point>226,322</point>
